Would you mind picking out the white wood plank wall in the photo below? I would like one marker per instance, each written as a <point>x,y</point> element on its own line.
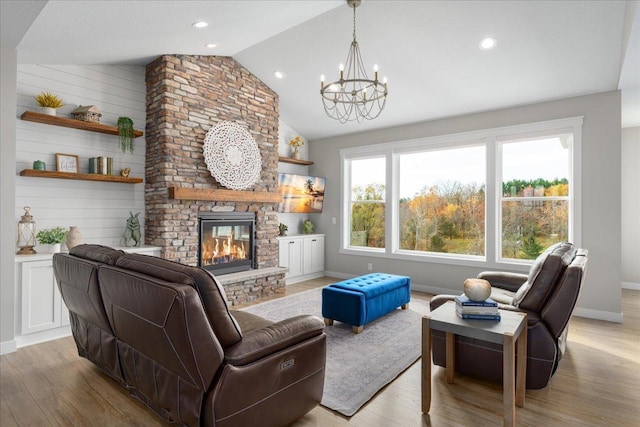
<point>99,209</point>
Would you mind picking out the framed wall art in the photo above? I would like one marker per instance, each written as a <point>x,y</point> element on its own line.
<point>67,163</point>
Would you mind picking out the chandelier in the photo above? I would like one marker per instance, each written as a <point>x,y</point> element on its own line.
<point>354,96</point>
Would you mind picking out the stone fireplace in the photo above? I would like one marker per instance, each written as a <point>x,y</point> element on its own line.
<point>186,96</point>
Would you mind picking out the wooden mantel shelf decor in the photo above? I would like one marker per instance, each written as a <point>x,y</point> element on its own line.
<point>209,194</point>
<point>32,116</point>
<point>80,176</point>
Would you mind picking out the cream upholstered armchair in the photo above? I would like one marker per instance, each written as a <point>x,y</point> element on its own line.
<point>548,295</point>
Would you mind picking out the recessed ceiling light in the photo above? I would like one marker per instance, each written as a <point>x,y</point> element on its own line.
<point>210,45</point>
<point>200,24</point>
<point>488,43</point>
<point>279,74</point>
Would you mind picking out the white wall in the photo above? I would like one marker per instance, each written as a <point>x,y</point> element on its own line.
<point>601,196</point>
<point>285,134</point>
<point>8,63</point>
<point>99,209</point>
<point>631,207</point>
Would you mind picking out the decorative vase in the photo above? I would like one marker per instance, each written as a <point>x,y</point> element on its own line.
<point>307,227</point>
<point>49,111</point>
<point>296,154</point>
<point>74,238</point>
<point>55,248</point>
<point>477,289</point>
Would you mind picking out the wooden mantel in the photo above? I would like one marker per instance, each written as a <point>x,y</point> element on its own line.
<point>216,195</point>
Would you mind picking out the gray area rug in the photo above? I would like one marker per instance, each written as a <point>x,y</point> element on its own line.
<point>358,365</point>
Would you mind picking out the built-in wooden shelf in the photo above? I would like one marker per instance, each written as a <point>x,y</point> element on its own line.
<point>209,194</point>
<point>32,116</point>
<point>294,161</point>
<point>80,176</point>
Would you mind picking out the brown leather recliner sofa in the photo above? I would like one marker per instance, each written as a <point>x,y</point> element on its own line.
<point>163,330</point>
<point>548,295</point>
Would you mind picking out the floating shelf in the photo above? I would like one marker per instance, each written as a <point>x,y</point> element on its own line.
<point>80,176</point>
<point>32,116</point>
<point>294,161</point>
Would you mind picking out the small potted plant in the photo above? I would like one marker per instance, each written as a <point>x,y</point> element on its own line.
<point>296,143</point>
<point>282,228</point>
<point>53,237</point>
<point>49,103</point>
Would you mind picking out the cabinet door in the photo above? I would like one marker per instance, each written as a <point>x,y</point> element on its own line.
<point>313,254</point>
<point>41,301</point>
<point>291,256</point>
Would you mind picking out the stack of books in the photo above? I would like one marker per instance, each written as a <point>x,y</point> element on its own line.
<point>477,310</point>
<point>101,165</point>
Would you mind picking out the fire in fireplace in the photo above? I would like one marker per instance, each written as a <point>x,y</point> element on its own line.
<point>226,241</point>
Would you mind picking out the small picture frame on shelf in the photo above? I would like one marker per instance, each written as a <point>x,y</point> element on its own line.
<point>67,163</point>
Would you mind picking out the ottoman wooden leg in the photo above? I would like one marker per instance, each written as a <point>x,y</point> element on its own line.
<point>357,329</point>
<point>328,322</point>
<point>405,306</point>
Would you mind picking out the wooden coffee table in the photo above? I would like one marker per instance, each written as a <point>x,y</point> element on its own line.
<point>510,330</point>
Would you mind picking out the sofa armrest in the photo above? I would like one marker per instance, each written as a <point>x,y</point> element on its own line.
<point>273,338</point>
<point>504,280</point>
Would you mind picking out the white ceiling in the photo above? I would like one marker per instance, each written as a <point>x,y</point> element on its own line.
<point>428,49</point>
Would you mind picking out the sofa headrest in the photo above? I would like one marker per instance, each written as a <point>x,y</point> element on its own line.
<point>211,292</point>
<point>545,273</point>
<point>98,253</point>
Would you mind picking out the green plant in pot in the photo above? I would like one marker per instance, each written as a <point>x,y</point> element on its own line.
<point>48,102</point>
<point>282,228</point>
<point>126,134</point>
<point>52,236</point>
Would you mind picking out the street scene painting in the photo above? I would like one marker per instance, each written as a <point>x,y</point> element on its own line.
<point>301,193</point>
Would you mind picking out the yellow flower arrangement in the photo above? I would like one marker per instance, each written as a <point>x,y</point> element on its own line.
<point>296,142</point>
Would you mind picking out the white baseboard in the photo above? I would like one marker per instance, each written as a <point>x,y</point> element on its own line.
<point>631,285</point>
<point>609,316</point>
<point>291,281</point>
<point>8,347</point>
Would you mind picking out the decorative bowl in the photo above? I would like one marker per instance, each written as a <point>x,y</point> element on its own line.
<point>477,289</point>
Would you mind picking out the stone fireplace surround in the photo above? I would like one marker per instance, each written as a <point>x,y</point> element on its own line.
<point>186,96</point>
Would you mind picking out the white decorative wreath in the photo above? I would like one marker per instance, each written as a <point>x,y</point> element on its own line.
<point>232,156</point>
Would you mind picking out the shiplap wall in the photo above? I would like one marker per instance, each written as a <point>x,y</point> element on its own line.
<point>99,209</point>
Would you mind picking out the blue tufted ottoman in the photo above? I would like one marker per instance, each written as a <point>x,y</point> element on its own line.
<point>363,299</point>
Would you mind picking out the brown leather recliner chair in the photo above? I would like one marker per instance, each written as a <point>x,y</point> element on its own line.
<point>548,295</point>
<point>180,350</point>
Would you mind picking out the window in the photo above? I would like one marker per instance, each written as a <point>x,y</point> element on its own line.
<point>480,198</point>
<point>534,195</point>
<point>441,201</point>
<point>367,202</point>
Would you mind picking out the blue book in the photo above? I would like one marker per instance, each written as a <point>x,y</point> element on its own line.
<point>464,300</point>
<point>480,316</point>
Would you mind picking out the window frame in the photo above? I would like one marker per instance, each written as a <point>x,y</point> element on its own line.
<point>492,139</point>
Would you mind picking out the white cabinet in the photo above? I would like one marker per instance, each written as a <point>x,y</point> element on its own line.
<point>41,314</point>
<point>303,255</point>
<point>313,255</point>
<point>42,306</point>
<point>290,256</point>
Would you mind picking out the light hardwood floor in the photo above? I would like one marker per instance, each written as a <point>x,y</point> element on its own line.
<point>597,384</point>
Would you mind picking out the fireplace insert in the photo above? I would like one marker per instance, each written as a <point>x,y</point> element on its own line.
<point>226,241</point>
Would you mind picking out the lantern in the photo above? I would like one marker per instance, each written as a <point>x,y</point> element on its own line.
<point>26,233</point>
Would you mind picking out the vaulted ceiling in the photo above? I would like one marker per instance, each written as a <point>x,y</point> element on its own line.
<point>546,50</point>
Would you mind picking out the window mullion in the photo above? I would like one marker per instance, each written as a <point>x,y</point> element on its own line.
<point>492,204</point>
